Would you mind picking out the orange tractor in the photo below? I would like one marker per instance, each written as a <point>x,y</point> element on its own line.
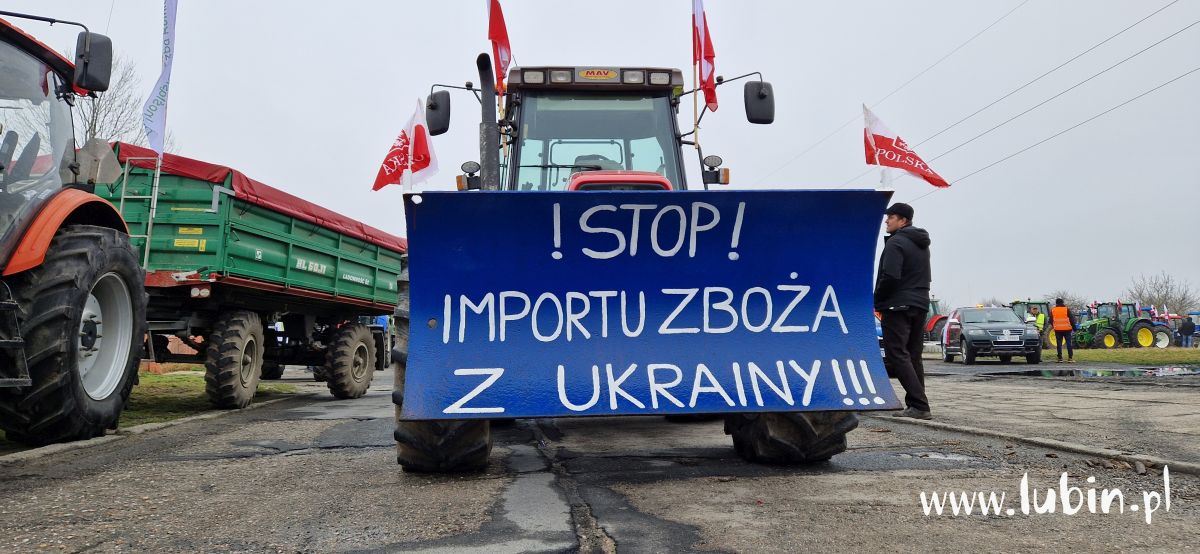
<point>72,305</point>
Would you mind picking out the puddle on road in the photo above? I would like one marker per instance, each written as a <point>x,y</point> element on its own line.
<point>1171,371</point>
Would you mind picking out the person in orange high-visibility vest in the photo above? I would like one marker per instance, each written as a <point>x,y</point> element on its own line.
<point>1064,326</point>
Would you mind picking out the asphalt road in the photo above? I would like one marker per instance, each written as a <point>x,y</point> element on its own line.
<point>314,474</point>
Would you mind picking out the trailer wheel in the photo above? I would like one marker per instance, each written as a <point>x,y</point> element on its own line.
<point>235,359</point>
<point>272,370</point>
<point>350,361</point>
<point>83,317</point>
<point>790,438</point>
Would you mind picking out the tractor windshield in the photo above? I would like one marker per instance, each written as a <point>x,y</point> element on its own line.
<point>561,133</point>
<point>35,137</point>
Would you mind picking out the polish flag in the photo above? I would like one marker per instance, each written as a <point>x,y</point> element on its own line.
<point>704,54</point>
<point>411,154</point>
<point>501,50</point>
<point>885,148</point>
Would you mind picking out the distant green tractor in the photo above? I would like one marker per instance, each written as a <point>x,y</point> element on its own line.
<point>1023,310</point>
<point>1120,325</point>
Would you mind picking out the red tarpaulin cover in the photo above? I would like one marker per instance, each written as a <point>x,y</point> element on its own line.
<point>260,194</point>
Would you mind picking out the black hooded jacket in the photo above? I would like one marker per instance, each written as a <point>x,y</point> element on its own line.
<point>904,272</point>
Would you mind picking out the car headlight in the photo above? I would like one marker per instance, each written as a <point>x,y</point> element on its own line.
<point>1031,331</point>
<point>977,332</point>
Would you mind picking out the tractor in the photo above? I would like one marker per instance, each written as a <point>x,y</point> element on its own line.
<point>605,140</point>
<point>1116,324</point>
<point>935,322</point>
<point>72,306</point>
<point>1023,309</point>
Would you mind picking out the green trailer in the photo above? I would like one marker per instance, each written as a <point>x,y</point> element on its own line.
<point>252,278</point>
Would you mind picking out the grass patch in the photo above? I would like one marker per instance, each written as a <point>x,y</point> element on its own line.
<point>174,395</point>
<point>159,398</point>
<point>1133,356</point>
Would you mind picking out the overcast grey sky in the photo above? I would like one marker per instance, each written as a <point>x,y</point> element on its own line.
<point>307,97</point>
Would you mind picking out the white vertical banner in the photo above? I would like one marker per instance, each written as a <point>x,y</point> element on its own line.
<point>154,112</point>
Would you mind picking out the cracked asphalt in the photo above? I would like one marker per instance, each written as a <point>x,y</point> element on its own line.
<point>315,474</point>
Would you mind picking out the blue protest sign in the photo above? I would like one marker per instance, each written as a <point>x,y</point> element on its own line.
<point>548,304</point>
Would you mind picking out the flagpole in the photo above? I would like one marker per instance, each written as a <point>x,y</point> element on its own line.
<point>695,105</point>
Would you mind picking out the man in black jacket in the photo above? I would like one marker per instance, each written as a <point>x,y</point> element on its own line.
<point>1186,330</point>
<point>902,299</point>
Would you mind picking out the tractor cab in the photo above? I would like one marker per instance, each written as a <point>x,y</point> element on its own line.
<point>37,141</point>
<point>591,128</point>
<point>564,122</point>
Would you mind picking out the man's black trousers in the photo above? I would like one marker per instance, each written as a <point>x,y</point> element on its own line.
<point>903,340</point>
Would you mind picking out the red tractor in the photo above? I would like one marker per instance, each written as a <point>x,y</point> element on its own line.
<point>72,306</point>
<point>936,322</point>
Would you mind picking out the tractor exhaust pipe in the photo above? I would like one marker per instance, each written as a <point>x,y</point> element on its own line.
<point>489,131</point>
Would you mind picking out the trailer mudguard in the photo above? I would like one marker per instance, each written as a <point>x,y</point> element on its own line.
<point>551,304</point>
<point>67,206</point>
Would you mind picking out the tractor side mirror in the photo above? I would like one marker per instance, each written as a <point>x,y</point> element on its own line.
<point>760,102</point>
<point>437,112</point>
<point>93,61</point>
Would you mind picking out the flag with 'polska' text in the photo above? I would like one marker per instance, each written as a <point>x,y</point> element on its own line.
<point>154,112</point>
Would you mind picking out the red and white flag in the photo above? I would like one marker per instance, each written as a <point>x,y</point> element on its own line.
<point>704,54</point>
<point>885,148</point>
<point>411,154</point>
<point>501,50</point>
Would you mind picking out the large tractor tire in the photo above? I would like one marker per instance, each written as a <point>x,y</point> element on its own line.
<point>350,361</point>
<point>83,317</point>
<point>790,438</point>
<point>1049,338</point>
<point>235,359</point>
<point>1106,338</point>
<point>1163,336</point>
<point>1141,335</point>
<point>446,446</point>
